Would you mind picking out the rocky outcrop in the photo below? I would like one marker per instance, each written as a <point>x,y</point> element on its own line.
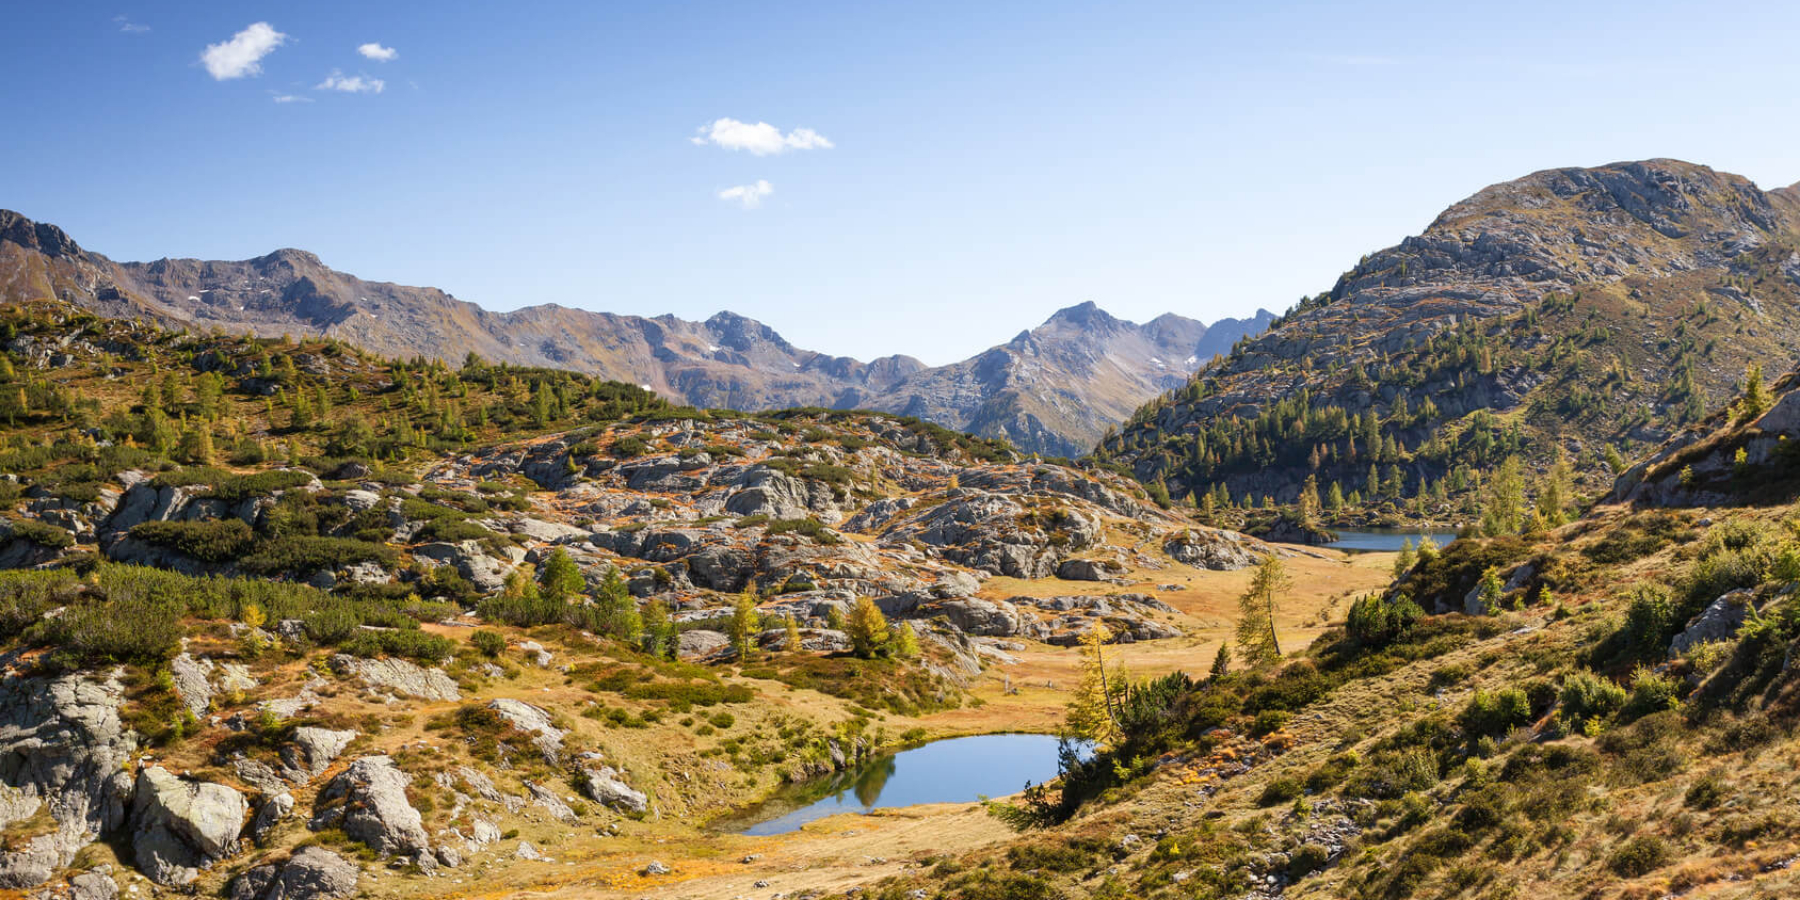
<point>179,827</point>
<point>311,750</point>
<point>399,676</point>
<point>368,801</point>
<point>1719,621</point>
<point>532,720</point>
<point>62,748</point>
<point>1221,551</point>
<point>312,873</point>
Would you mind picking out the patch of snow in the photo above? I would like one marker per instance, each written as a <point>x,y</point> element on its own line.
<point>796,365</point>
<point>646,387</point>
<point>1191,360</point>
<point>193,298</point>
<point>1159,363</point>
<point>712,348</point>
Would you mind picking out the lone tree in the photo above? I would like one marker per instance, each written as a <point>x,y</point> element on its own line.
<point>562,578</point>
<point>868,629</point>
<point>1093,711</point>
<point>744,624</point>
<point>1256,614</point>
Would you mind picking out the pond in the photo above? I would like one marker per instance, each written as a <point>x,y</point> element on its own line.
<point>957,770</point>
<point>1385,539</point>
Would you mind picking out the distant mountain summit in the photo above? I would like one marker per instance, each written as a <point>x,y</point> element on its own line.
<point>1054,389</point>
<point>1567,310</point>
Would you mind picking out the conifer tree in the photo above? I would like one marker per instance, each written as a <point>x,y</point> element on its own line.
<point>906,643</point>
<point>868,629</point>
<point>1403,562</point>
<point>793,644</point>
<point>1221,663</point>
<point>562,578</point>
<point>744,624</point>
<point>1256,613</point>
<point>659,632</point>
<point>1091,712</point>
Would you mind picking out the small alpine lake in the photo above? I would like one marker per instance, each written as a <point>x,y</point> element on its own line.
<point>1387,540</point>
<point>953,770</point>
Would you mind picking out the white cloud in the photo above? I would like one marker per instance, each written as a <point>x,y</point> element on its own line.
<point>761,139</point>
<point>292,98</point>
<point>129,27</point>
<point>749,196</point>
<point>242,55</point>
<point>373,50</point>
<point>351,84</point>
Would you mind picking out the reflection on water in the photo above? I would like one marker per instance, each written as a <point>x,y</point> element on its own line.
<point>1385,539</point>
<point>959,770</point>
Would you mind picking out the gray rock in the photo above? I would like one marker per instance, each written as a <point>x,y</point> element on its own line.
<point>180,826</point>
<point>312,751</point>
<point>269,814</point>
<point>312,873</point>
<point>554,805</point>
<point>1719,621</point>
<point>61,746</point>
<point>699,643</point>
<point>472,561</point>
<point>533,721</point>
<point>368,800</point>
<point>93,886</point>
<point>399,676</point>
<point>192,682</point>
<point>604,786</point>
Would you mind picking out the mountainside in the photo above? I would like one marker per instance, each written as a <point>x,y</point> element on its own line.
<point>1052,390</point>
<point>1567,312</point>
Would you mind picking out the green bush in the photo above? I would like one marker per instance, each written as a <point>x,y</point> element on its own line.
<point>299,554</point>
<point>1589,698</point>
<point>1281,790</point>
<point>490,643</point>
<point>1651,693</point>
<point>1493,714</point>
<point>216,541</point>
<point>43,534</point>
<point>1638,856</point>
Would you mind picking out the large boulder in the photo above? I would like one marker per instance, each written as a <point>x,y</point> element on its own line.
<point>312,873</point>
<point>604,786</point>
<point>978,616</point>
<point>762,491</point>
<point>368,800</point>
<point>399,676</point>
<point>533,721</point>
<point>180,826</point>
<point>1719,621</point>
<point>700,643</point>
<point>472,561</point>
<point>61,747</point>
<point>1220,551</point>
<point>311,751</point>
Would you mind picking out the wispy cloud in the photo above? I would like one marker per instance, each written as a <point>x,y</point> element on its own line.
<point>292,98</point>
<point>242,55</point>
<point>748,196</point>
<point>761,139</point>
<point>351,84</point>
<point>129,27</point>
<point>373,50</point>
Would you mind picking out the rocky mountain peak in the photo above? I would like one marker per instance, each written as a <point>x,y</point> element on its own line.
<point>41,237</point>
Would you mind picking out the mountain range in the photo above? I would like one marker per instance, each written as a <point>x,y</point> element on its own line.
<point>1053,389</point>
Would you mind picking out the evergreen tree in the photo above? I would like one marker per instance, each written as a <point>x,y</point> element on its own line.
<point>1334,499</point>
<point>794,640</point>
<point>1756,399</point>
<point>562,578</point>
<point>1221,663</point>
<point>1256,614</point>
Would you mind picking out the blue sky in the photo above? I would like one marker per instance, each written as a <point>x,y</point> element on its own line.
<point>987,164</point>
